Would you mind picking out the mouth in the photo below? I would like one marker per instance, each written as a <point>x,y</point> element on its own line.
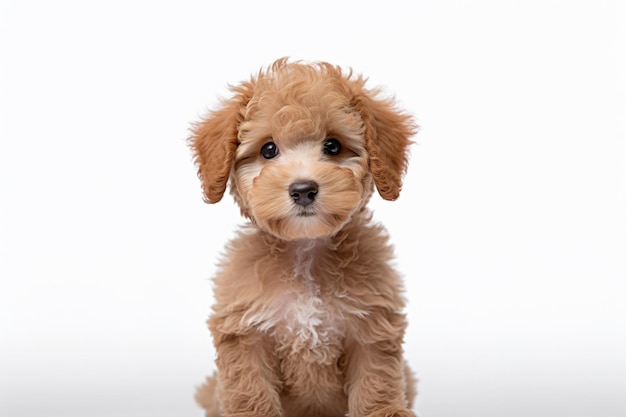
<point>305,213</point>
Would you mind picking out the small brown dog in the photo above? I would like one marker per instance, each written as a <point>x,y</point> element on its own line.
<point>308,319</point>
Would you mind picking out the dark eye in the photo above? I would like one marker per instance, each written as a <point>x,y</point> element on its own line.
<point>332,146</point>
<point>269,150</point>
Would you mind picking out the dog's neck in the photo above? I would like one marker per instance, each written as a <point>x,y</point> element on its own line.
<point>305,253</point>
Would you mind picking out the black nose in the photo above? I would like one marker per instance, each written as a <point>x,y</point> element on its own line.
<point>303,193</point>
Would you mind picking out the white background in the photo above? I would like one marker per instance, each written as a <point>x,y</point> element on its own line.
<point>511,229</point>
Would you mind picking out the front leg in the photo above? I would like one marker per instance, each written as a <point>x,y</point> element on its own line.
<point>375,370</point>
<point>248,383</point>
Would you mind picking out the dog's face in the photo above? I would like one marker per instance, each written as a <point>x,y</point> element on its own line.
<point>300,170</point>
<point>302,146</point>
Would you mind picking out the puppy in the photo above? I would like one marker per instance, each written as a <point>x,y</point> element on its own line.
<point>308,319</point>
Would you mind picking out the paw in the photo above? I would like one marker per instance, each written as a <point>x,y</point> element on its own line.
<point>392,412</point>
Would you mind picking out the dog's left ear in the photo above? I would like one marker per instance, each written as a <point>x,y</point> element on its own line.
<point>387,137</point>
<point>214,142</point>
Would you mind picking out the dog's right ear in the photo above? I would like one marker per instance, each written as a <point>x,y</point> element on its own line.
<point>214,142</point>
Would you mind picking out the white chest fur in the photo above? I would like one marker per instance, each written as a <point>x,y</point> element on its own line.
<point>301,318</point>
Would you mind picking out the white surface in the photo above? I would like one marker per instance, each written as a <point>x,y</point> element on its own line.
<point>511,228</point>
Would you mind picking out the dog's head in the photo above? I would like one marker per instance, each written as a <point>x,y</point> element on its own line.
<point>302,146</point>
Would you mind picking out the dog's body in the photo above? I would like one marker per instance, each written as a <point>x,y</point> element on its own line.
<point>308,317</point>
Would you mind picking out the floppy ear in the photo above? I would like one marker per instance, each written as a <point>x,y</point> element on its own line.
<point>214,142</point>
<point>387,137</point>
